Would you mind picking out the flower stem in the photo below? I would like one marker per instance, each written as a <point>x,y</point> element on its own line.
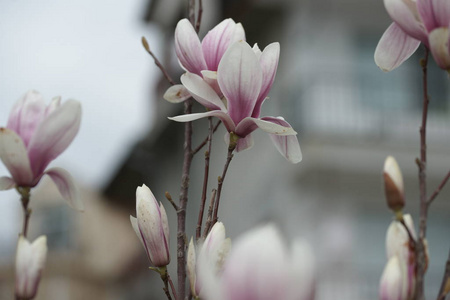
<point>25,199</point>
<point>445,286</point>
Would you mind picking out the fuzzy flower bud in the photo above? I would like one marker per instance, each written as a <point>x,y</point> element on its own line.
<point>393,184</point>
<point>151,227</point>
<point>30,261</point>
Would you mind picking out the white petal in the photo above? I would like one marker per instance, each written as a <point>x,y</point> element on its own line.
<point>201,91</point>
<point>188,47</point>
<point>176,93</point>
<point>439,47</point>
<point>215,113</point>
<point>14,156</point>
<point>6,183</point>
<point>394,47</point>
<point>248,125</point>
<point>66,186</point>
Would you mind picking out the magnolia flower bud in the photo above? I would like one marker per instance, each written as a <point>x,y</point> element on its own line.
<point>151,227</point>
<point>393,184</point>
<point>30,261</point>
<point>392,283</point>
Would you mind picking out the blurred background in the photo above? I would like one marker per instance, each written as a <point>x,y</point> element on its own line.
<point>348,113</point>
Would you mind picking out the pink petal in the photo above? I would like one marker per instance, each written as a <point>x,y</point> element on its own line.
<point>434,13</point>
<point>66,186</point>
<point>188,47</point>
<point>217,41</point>
<point>240,80</point>
<point>54,135</point>
<point>394,47</point>
<point>249,125</point>
<point>244,143</point>
<point>229,124</point>
<point>405,14</point>
<point>201,91</point>
<point>439,47</point>
<point>26,115</point>
<point>6,183</point>
<point>14,156</point>
<point>288,145</point>
<point>54,104</point>
<point>269,64</point>
<point>176,93</point>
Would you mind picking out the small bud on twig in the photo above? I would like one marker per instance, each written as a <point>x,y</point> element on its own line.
<point>393,184</point>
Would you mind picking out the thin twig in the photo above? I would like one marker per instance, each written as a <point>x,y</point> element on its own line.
<point>165,278</point>
<point>205,180</point>
<point>202,144</point>
<point>169,198</point>
<point>412,241</point>
<point>445,285</point>
<point>191,11</point>
<point>420,249</point>
<point>157,62</point>
<point>221,179</point>
<point>174,292</point>
<point>199,16</point>
<point>438,189</point>
<point>210,213</point>
<point>25,199</point>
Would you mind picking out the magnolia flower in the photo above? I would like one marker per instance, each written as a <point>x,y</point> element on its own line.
<point>202,58</point>
<point>214,250</point>
<point>30,261</point>
<point>415,21</point>
<point>245,76</point>
<point>392,283</point>
<point>397,245</point>
<point>151,227</point>
<point>393,184</point>
<point>260,266</point>
<point>35,135</point>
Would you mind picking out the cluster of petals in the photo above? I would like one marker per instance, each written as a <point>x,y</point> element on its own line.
<point>202,58</point>
<point>151,227</point>
<point>415,21</point>
<point>244,77</point>
<point>214,250</point>
<point>259,267</point>
<point>35,135</point>
<point>30,262</point>
<point>398,279</point>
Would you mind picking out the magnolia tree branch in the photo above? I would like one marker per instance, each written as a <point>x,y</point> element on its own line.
<point>438,189</point>
<point>157,62</point>
<point>25,199</point>
<point>202,144</point>
<point>199,15</point>
<point>210,214</point>
<point>420,249</point>
<point>445,286</point>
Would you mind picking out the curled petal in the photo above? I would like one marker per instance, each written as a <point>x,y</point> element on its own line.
<point>242,143</point>
<point>191,269</point>
<point>6,183</point>
<point>394,47</point>
<point>210,77</point>
<point>240,78</point>
<point>439,47</point>
<point>217,41</point>
<point>269,64</point>
<point>188,47</point>
<point>434,13</point>
<point>54,135</point>
<point>249,125</point>
<point>54,104</point>
<point>14,156</point>
<point>201,91</point>
<point>176,93</point>
<point>287,145</point>
<point>66,187</point>
<point>229,124</point>
<point>405,14</point>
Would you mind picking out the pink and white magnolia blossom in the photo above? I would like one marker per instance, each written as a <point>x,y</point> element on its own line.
<point>415,21</point>
<point>34,136</point>
<point>213,250</point>
<point>260,267</point>
<point>244,76</point>
<point>151,227</point>
<point>393,283</point>
<point>202,58</point>
<point>30,261</point>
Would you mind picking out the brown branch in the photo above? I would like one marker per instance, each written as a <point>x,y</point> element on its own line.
<point>445,285</point>
<point>157,62</point>
<point>438,189</point>
<point>169,198</point>
<point>210,214</point>
<point>202,144</point>
<point>205,180</point>
<point>222,178</point>
<point>420,249</point>
<point>199,16</point>
<point>25,199</point>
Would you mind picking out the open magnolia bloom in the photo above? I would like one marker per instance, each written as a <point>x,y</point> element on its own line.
<point>260,266</point>
<point>35,135</point>
<point>244,76</point>
<point>202,58</point>
<point>415,21</point>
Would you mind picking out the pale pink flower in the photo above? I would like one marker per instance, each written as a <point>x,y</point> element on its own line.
<point>35,135</point>
<point>151,227</point>
<point>415,21</point>
<point>393,283</point>
<point>245,76</point>
<point>202,58</point>
<point>259,267</point>
<point>30,261</point>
